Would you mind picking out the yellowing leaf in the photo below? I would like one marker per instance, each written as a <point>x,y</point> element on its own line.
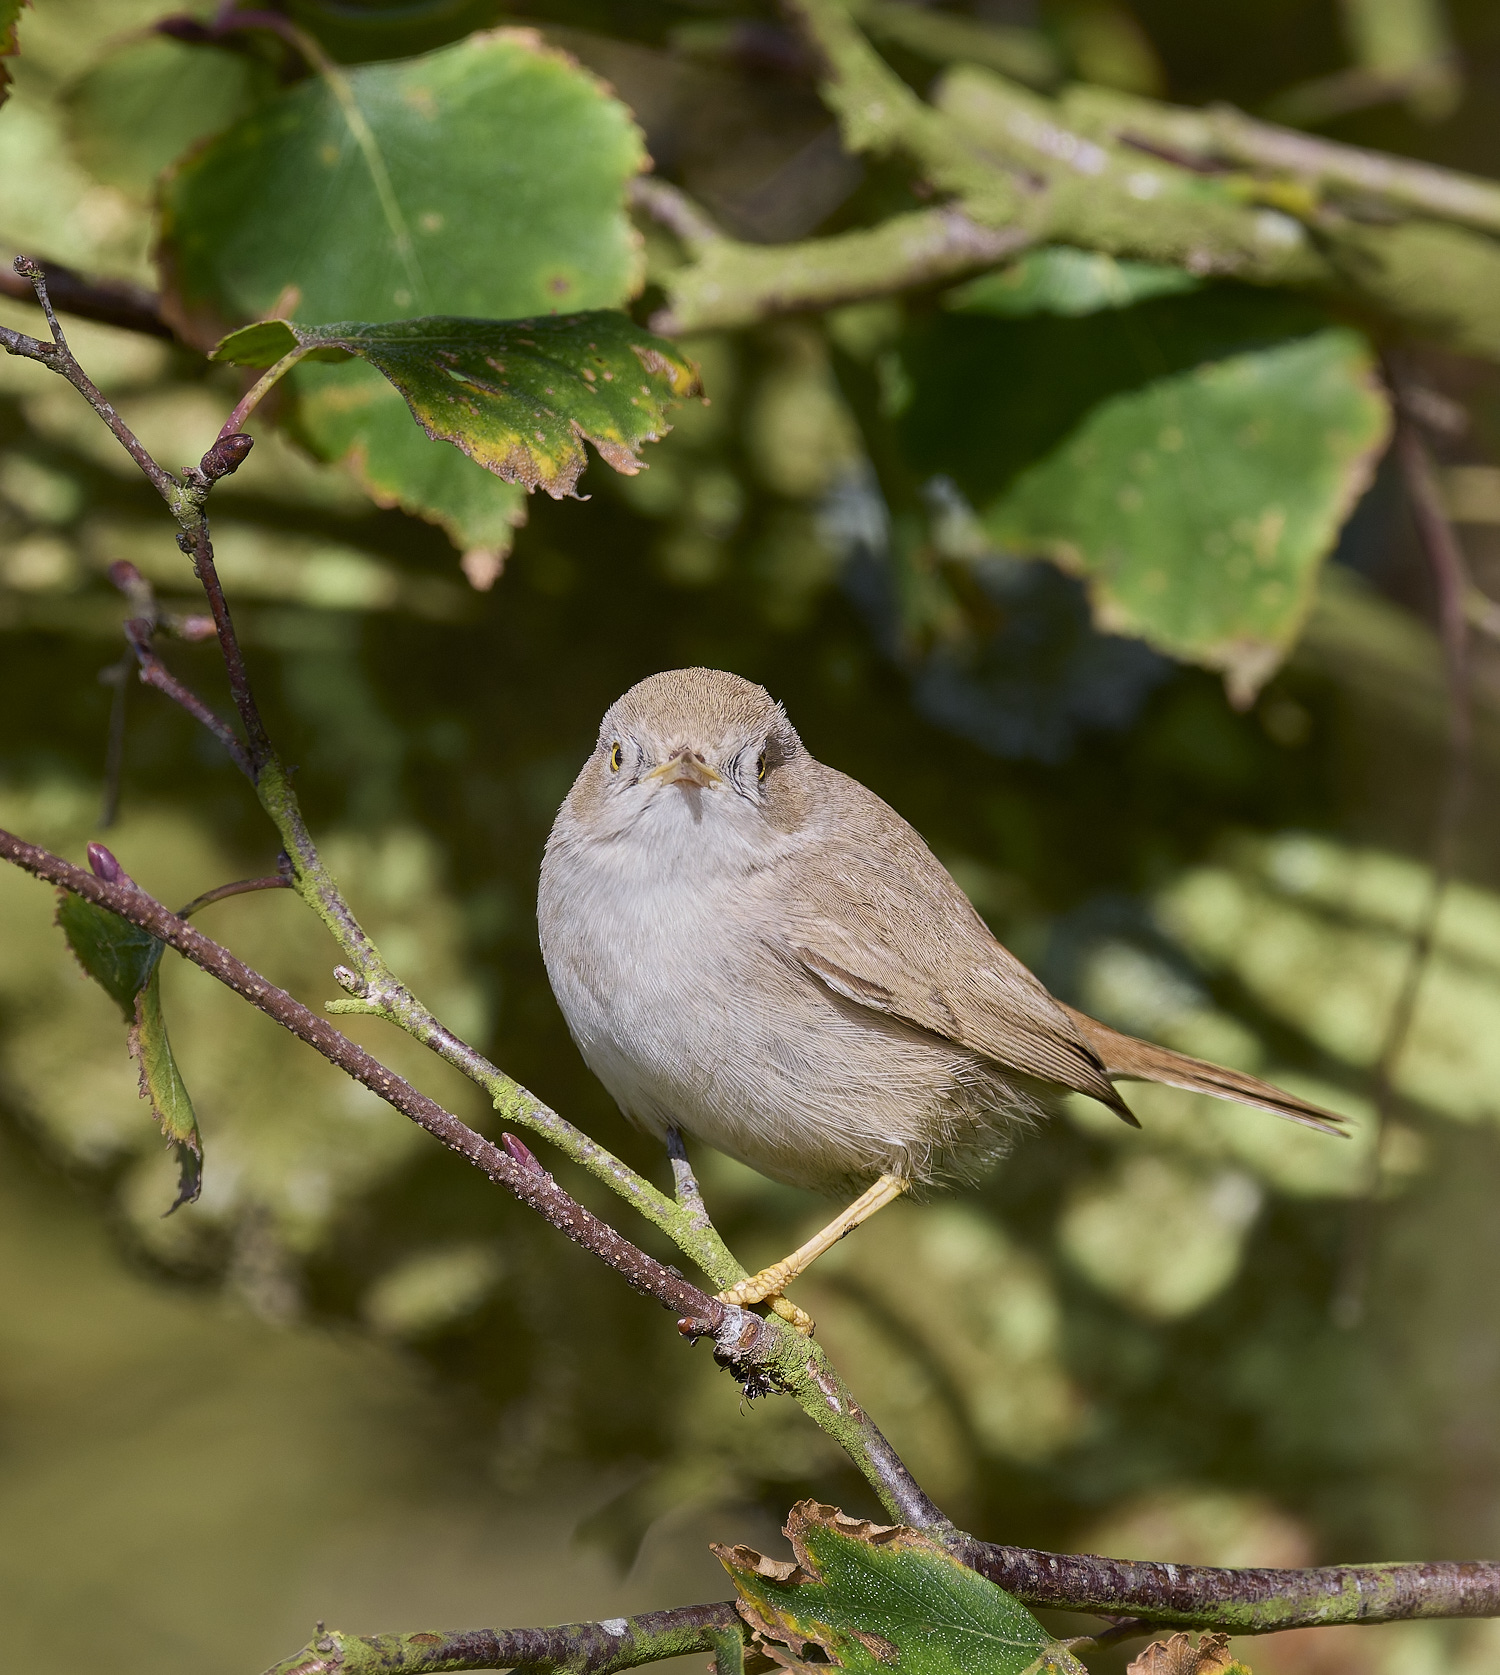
<point>485,179</point>
<point>519,397</point>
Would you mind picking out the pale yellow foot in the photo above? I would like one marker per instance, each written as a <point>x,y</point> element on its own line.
<point>769,1283</point>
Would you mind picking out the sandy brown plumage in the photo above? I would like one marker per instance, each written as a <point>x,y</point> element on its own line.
<point>753,947</point>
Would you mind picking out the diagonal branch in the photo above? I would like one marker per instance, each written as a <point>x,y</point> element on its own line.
<point>763,1355</point>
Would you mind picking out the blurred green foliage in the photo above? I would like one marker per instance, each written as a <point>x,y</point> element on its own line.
<point>1124,1340</point>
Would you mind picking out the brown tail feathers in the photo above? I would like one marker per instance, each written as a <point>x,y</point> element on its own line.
<point>1126,1058</point>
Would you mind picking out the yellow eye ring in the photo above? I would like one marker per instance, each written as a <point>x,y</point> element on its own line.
<point>760,766</point>
<point>616,756</point>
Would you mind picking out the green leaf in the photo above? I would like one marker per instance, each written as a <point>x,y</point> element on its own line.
<point>1199,507</point>
<point>162,1085</point>
<point>1062,280</point>
<point>519,397</point>
<point>141,107</point>
<point>125,962</point>
<point>873,1597</point>
<point>485,180</point>
<point>119,956</point>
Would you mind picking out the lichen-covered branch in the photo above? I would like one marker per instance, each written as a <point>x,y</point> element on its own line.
<point>1237,1601</point>
<point>572,1649</point>
<point>732,284</point>
<point>1221,135</point>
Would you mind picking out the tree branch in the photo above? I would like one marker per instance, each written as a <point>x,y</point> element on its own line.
<point>1220,135</point>
<point>1237,1601</point>
<point>764,1355</point>
<point>573,1649</point>
<point>58,357</point>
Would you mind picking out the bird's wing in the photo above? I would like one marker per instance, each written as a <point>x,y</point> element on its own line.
<point>872,914</point>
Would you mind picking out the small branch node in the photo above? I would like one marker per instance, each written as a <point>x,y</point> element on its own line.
<point>351,982</point>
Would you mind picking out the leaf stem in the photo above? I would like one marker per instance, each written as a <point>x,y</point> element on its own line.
<point>259,390</point>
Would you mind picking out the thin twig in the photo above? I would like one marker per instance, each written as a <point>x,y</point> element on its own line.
<point>241,887</point>
<point>58,357</point>
<point>138,632</point>
<point>197,544</point>
<point>117,678</point>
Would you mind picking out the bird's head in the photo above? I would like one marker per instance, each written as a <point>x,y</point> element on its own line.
<point>693,748</point>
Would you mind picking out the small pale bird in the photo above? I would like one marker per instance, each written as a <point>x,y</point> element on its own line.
<point>753,949</point>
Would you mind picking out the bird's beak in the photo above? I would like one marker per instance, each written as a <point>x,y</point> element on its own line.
<point>685,767</point>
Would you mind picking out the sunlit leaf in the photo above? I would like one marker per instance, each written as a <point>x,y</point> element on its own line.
<point>871,1597</point>
<point>119,956</point>
<point>1062,280</point>
<point>162,1085</point>
<point>484,180</point>
<point>519,397</point>
<point>1199,507</point>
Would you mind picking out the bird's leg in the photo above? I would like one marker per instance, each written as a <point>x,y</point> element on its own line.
<point>770,1282</point>
<point>684,1182</point>
<point>690,1195</point>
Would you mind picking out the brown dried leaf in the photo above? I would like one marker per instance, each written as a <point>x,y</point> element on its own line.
<point>1178,1656</point>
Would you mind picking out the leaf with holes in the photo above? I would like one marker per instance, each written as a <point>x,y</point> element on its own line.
<point>125,962</point>
<point>483,180</point>
<point>519,397</point>
<point>871,1597</point>
<point>1198,507</point>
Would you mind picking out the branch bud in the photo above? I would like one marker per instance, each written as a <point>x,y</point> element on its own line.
<point>105,866</point>
<point>522,1153</point>
<point>226,456</point>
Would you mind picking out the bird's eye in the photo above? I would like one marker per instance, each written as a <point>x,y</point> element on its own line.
<point>616,756</point>
<point>760,766</point>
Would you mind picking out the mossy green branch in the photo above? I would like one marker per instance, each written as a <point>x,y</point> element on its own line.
<point>1212,192</point>
<point>572,1649</point>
